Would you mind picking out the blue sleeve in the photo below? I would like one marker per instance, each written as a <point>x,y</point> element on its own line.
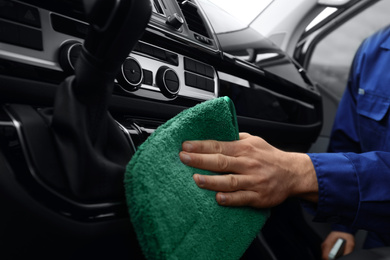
<point>354,180</point>
<point>354,189</point>
<point>344,135</point>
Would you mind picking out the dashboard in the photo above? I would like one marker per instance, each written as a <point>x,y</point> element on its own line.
<point>50,42</point>
<point>178,62</point>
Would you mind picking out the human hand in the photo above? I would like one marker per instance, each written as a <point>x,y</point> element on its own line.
<point>331,239</point>
<point>260,176</point>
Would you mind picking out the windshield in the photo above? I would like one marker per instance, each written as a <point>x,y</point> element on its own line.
<point>227,16</point>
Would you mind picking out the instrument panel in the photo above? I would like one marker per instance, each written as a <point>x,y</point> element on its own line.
<point>36,35</point>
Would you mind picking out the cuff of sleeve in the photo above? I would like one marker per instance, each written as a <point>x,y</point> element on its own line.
<point>374,196</point>
<point>338,190</point>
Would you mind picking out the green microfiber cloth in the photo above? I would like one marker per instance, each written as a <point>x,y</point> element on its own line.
<point>174,218</point>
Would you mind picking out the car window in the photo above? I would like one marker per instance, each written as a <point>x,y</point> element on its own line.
<point>324,14</point>
<point>332,57</point>
<point>227,16</point>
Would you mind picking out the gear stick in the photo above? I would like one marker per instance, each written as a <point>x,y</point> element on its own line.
<point>84,153</point>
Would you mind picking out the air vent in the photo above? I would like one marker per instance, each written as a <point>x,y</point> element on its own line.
<point>157,7</point>
<point>192,17</point>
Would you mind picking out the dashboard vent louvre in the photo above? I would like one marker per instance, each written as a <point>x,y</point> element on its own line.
<point>192,17</point>
<point>157,7</point>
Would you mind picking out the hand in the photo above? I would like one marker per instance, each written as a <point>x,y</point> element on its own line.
<point>260,176</point>
<point>332,238</point>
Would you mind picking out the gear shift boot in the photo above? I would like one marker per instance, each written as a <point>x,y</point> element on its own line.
<point>77,148</point>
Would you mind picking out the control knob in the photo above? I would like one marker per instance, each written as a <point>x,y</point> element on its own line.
<point>68,55</point>
<point>131,75</point>
<point>168,82</point>
<point>175,20</point>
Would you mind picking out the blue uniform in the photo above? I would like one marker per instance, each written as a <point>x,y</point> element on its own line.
<point>354,179</point>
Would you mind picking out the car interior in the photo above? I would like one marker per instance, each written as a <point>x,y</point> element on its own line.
<point>84,82</point>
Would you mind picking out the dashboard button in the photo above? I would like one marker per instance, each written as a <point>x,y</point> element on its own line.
<point>209,71</point>
<point>148,77</point>
<point>68,26</point>
<point>21,36</point>
<point>190,79</point>
<point>199,82</point>
<point>210,85</point>
<point>8,10</point>
<point>198,67</point>
<point>20,13</point>
<point>31,38</point>
<point>189,64</point>
<point>203,39</point>
<point>9,33</point>
<point>29,16</point>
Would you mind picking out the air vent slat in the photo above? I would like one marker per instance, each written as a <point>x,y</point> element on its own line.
<point>192,17</point>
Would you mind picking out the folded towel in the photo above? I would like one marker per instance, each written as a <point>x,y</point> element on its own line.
<point>173,218</point>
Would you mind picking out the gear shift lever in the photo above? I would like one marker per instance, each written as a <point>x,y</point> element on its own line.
<point>91,147</point>
<point>85,146</point>
<point>115,28</point>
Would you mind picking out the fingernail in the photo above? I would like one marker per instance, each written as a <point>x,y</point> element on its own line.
<point>201,180</point>
<point>185,158</point>
<point>222,199</point>
<point>187,146</point>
